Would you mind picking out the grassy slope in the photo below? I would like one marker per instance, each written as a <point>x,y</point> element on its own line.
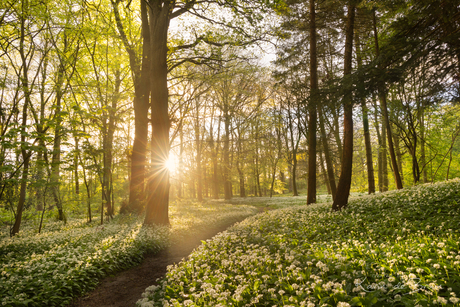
<point>395,249</point>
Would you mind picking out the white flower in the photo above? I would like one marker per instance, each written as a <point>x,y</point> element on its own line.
<point>441,300</point>
<point>454,300</point>
<point>343,304</point>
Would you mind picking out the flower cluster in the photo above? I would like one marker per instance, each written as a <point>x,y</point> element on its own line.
<point>400,248</point>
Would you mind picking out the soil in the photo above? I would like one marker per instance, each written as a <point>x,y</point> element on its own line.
<point>126,287</point>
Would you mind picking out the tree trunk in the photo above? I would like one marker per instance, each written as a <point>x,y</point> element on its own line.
<point>367,138</point>
<point>198,154</point>
<point>180,192</point>
<point>384,154</point>
<point>294,175</point>
<point>214,158</point>
<point>336,132</point>
<point>380,145</point>
<point>422,144</point>
<point>327,157</point>
<point>292,152</point>
<point>343,188</point>
<point>324,171</point>
<point>226,153</point>
<point>396,141</point>
<point>158,192</point>
<point>240,165</point>
<point>77,177</point>
<point>25,155</point>
<point>140,69</point>
<point>88,190</point>
<point>314,97</point>
<point>383,104</point>
<point>56,157</point>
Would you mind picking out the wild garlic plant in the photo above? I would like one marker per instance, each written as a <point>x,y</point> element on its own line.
<point>65,260</point>
<point>400,248</point>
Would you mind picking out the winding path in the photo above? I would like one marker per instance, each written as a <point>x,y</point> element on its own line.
<point>126,287</point>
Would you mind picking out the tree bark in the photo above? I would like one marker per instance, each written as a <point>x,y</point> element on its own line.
<point>215,174</point>
<point>198,153</point>
<point>327,156</point>
<point>140,69</point>
<point>226,152</point>
<point>384,154</point>
<point>343,188</point>
<point>314,97</point>
<point>367,138</point>
<point>158,192</point>
<point>24,79</point>
<point>324,171</point>
<point>422,144</point>
<point>240,165</point>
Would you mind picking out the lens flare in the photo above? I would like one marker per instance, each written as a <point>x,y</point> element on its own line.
<point>170,164</point>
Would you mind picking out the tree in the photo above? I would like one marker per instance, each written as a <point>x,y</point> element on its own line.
<point>311,193</point>
<point>382,93</point>
<point>343,187</point>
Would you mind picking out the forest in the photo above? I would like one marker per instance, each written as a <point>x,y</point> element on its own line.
<point>129,123</point>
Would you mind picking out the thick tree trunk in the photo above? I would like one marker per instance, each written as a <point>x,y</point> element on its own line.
<point>314,97</point>
<point>141,103</point>
<point>343,188</point>
<point>158,184</point>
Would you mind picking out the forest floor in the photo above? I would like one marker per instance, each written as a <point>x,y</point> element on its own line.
<point>126,288</point>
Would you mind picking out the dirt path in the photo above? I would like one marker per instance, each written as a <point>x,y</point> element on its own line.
<point>125,288</point>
